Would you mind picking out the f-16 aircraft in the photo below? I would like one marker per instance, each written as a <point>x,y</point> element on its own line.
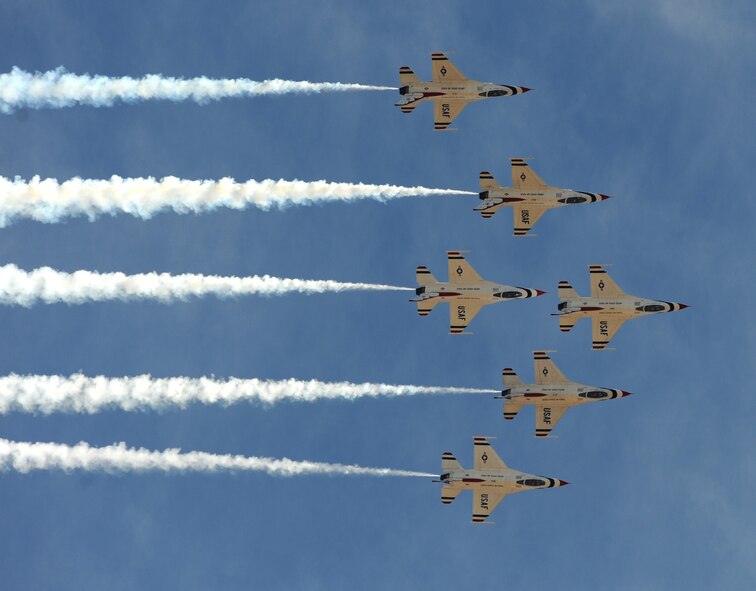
<point>528,196</point>
<point>449,90</point>
<point>466,291</point>
<point>608,307</point>
<point>552,394</point>
<point>490,480</point>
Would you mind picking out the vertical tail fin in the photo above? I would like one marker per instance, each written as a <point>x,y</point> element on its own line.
<point>407,76</point>
<point>449,463</point>
<point>566,291</point>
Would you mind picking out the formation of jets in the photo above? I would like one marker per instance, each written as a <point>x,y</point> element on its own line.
<point>466,292</point>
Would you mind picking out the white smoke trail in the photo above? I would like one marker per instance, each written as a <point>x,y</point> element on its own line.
<point>81,394</point>
<point>46,285</point>
<point>25,457</point>
<point>59,88</point>
<point>47,200</point>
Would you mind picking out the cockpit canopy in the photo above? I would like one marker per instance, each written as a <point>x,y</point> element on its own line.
<point>594,394</point>
<point>496,92</point>
<point>508,294</point>
<point>531,482</point>
<point>420,290</point>
<point>651,308</point>
<point>562,306</point>
<point>574,199</point>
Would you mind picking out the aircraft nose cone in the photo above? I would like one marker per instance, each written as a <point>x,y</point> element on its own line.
<point>539,292</point>
<point>683,306</point>
<point>563,483</point>
<point>603,197</point>
<point>625,393</point>
<point>525,89</point>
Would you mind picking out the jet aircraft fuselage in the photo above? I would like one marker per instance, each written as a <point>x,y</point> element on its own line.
<point>608,307</point>
<point>490,479</point>
<point>529,197</point>
<point>449,90</point>
<point>466,292</point>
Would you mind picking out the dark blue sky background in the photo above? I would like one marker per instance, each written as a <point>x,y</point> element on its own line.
<point>651,103</point>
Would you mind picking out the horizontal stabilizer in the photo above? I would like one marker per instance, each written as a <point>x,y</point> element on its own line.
<point>511,409</point>
<point>407,76</point>
<point>449,493</point>
<point>509,378</point>
<point>567,322</point>
<point>449,463</point>
<point>424,276</point>
<point>566,291</point>
<point>488,182</point>
<point>425,307</point>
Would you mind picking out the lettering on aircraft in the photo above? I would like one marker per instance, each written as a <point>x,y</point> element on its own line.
<point>484,457</point>
<point>604,328</point>
<point>461,313</point>
<point>445,110</point>
<point>525,215</point>
<point>459,271</point>
<point>484,501</point>
<point>547,415</point>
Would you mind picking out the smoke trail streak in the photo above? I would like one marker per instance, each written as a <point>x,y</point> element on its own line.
<point>81,394</point>
<point>47,200</point>
<point>25,457</point>
<point>59,88</point>
<point>48,286</point>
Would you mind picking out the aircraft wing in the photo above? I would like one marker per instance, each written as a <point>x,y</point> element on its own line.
<point>604,328</point>
<point>446,110</point>
<point>461,314</point>
<point>484,503</point>
<point>547,417</point>
<point>485,456</point>
<point>444,70</point>
<point>460,271</point>
<point>546,371</point>
<point>525,217</point>
<point>601,284</point>
<point>523,177</point>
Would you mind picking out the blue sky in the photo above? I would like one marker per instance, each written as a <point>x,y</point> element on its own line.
<point>650,103</point>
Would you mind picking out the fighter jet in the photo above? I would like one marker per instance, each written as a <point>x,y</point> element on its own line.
<point>449,90</point>
<point>528,196</point>
<point>466,291</point>
<point>552,394</point>
<point>490,480</point>
<point>608,307</point>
